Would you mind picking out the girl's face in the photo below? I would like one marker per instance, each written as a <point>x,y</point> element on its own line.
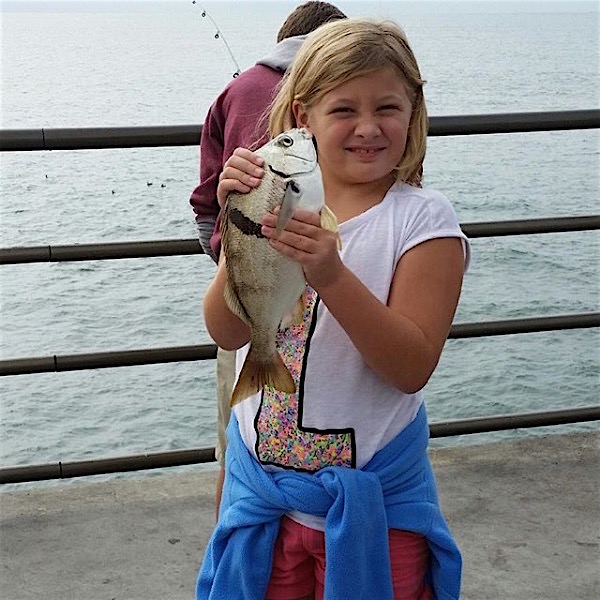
<point>360,127</point>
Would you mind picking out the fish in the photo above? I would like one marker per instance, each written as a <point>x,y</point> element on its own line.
<point>264,287</point>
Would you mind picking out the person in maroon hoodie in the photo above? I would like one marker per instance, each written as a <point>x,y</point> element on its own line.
<point>237,118</point>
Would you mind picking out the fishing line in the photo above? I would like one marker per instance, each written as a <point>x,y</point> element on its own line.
<point>219,36</point>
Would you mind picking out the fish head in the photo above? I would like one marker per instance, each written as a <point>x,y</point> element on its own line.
<point>291,153</point>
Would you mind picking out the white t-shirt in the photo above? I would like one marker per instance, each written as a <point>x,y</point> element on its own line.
<point>342,412</point>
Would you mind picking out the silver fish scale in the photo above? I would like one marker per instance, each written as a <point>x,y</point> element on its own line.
<point>265,283</point>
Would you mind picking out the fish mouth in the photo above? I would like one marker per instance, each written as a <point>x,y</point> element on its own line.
<point>295,172</point>
<point>278,173</point>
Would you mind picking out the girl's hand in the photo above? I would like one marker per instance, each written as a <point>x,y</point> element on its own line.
<point>305,241</point>
<point>242,172</point>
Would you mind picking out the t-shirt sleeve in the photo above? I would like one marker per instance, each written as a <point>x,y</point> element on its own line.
<point>432,216</point>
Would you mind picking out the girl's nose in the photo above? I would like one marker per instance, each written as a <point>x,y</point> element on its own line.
<point>367,127</point>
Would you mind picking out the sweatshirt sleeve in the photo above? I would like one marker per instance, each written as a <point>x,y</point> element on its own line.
<point>234,120</point>
<point>204,197</point>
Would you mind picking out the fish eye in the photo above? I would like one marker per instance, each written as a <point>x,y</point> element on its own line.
<point>286,141</point>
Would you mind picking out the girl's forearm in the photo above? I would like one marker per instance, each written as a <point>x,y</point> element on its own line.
<point>390,343</point>
<point>226,329</point>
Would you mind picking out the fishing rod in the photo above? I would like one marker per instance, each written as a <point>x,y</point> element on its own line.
<point>219,36</point>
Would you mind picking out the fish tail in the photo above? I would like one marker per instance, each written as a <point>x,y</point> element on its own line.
<point>256,374</point>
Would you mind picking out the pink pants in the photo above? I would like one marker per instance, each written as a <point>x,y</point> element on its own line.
<point>299,564</point>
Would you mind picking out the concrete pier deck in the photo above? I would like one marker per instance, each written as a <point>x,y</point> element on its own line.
<point>525,513</point>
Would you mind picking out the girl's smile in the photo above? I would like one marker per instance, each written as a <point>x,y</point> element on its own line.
<point>366,154</point>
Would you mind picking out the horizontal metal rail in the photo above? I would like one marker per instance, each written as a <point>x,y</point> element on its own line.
<point>113,250</point>
<point>93,138</point>
<point>122,250</point>
<point>515,122</point>
<point>128,358</point>
<point>105,360</point>
<point>525,325</point>
<point>177,458</point>
<point>99,466</point>
<point>76,138</point>
<point>531,226</point>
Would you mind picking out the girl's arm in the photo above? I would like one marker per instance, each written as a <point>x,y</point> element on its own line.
<point>403,339</point>
<point>226,329</point>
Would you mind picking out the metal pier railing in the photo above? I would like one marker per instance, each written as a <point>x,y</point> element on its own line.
<point>56,363</point>
<point>179,458</point>
<point>75,138</point>
<point>129,137</point>
<point>117,250</point>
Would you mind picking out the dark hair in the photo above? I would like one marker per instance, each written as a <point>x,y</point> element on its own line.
<point>307,17</point>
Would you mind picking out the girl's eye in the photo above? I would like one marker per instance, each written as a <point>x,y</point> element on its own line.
<point>389,108</point>
<point>341,109</point>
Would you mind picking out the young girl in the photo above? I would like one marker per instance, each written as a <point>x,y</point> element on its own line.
<point>329,492</point>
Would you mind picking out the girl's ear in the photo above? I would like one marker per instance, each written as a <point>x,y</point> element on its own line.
<point>300,114</point>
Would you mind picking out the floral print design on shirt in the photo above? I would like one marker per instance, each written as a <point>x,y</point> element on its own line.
<point>281,439</point>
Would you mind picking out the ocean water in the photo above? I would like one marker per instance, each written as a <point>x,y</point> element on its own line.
<point>91,64</point>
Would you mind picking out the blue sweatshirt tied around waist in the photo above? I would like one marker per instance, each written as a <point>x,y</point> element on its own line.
<point>395,490</point>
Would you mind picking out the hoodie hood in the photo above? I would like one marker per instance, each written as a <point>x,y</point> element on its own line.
<point>281,57</point>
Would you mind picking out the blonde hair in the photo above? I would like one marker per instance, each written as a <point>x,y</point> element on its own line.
<point>339,51</point>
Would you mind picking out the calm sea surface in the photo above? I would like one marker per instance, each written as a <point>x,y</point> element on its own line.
<point>99,64</point>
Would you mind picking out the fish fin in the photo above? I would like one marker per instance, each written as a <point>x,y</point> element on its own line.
<point>234,304</point>
<point>291,199</point>
<point>296,315</point>
<point>255,375</point>
<point>329,222</point>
